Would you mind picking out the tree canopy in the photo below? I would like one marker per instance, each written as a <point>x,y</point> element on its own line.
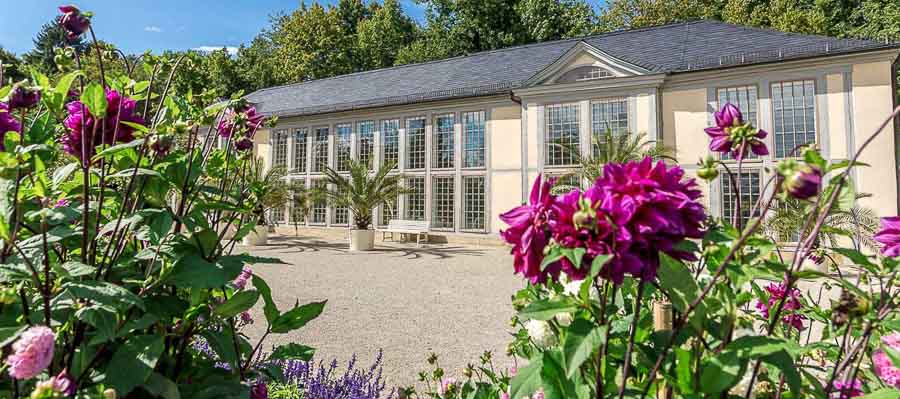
<point>315,41</point>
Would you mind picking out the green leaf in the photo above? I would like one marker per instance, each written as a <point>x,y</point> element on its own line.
<point>553,377</point>
<point>77,269</point>
<point>574,255</point>
<point>581,339</point>
<point>293,351</point>
<point>270,309</point>
<point>10,334</point>
<point>94,97</point>
<point>598,263</point>
<point>847,197</point>
<point>297,317</point>
<point>683,370</point>
<point>133,362</point>
<point>103,293</point>
<point>892,354</point>
<point>678,282</point>
<point>161,386</point>
<point>813,157</point>
<point>127,173</point>
<point>136,126</point>
<point>721,372</point>
<point>62,174</point>
<point>855,256</point>
<point>102,318</point>
<point>192,271</point>
<point>759,345</point>
<point>238,303</point>
<point>555,254</point>
<point>783,361</point>
<point>528,379</point>
<point>119,148</point>
<point>547,309</point>
<point>885,393</point>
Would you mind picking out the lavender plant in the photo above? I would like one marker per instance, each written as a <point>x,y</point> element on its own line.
<point>119,216</point>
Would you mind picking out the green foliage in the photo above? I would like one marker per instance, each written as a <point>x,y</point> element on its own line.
<point>128,257</point>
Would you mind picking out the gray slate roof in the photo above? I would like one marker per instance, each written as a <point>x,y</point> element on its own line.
<point>674,48</point>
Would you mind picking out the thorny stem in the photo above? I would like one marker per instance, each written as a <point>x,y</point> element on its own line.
<point>809,239</point>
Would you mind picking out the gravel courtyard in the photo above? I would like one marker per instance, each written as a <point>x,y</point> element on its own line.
<point>449,299</point>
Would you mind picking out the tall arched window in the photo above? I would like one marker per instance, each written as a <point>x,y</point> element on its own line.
<point>583,73</point>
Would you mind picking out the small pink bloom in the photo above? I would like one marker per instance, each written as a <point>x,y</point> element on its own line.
<point>504,395</point>
<point>61,203</point>
<point>447,384</point>
<point>539,394</point>
<point>32,353</point>
<point>884,369</point>
<point>791,305</point>
<point>241,280</point>
<point>246,318</point>
<point>847,389</point>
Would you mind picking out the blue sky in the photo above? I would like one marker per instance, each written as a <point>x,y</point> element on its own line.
<point>139,25</point>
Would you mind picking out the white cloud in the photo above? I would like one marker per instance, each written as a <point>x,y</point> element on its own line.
<point>209,49</point>
<point>153,28</point>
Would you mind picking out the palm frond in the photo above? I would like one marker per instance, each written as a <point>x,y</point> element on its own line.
<point>361,190</point>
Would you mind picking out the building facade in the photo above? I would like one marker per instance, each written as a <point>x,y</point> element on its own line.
<point>470,134</point>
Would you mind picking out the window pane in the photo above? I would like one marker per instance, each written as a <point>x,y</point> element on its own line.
<point>340,215</point>
<point>794,116</point>
<point>443,142</point>
<point>608,117</point>
<point>584,73</point>
<point>389,211</point>
<point>298,216</point>
<point>562,137</point>
<point>319,207</point>
<point>365,142</point>
<point>277,215</point>
<point>415,143</point>
<point>745,98</point>
<point>750,192</point>
<point>415,199</point>
<point>344,133</point>
<point>442,200</point>
<point>320,149</point>
<point>473,203</point>
<point>279,148</point>
<point>390,141</point>
<point>300,150</point>
<point>473,139</point>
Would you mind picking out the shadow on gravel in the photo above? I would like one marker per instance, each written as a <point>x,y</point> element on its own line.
<point>285,244</point>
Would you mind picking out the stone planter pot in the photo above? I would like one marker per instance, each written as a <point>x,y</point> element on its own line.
<point>259,236</point>
<point>362,240</point>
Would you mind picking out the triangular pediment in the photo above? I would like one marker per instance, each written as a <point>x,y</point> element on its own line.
<point>583,63</point>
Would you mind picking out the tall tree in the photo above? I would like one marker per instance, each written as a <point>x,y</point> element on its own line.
<point>555,19</point>
<point>381,37</point>
<point>50,37</point>
<point>310,43</point>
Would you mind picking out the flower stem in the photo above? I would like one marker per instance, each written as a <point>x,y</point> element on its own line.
<point>628,350</point>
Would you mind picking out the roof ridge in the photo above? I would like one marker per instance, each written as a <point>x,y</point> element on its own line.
<point>484,52</point>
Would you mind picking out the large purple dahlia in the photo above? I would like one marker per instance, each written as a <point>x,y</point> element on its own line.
<point>81,123</point>
<point>529,233</point>
<point>241,120</point>
<point>73,21</point>
<point>732,134</point>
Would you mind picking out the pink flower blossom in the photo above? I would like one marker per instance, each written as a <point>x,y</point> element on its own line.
<point>259,391</point>
<point>889,236</point>
<point>80,124</point>
<point>23,96</point>
<point>8,123</point>
<point>529,233</point>
<point>447,384</point>
<point>246,318</point>
<point>847,389</point>
<point>241,280</point>
<point>732,134</point>
<point>539,394</point>
<point>884,369</point>
<point>791,305</point>
<point>504,395</point>
<point>32,353</point>
<point>61,203</point>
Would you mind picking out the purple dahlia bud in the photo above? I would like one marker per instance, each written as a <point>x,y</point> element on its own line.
<point>64,384</point>
<point>73,21</point>
<point>243,143</point>
<point>259,391</point>
<point>161,144</point>
<point>23,96</point>
<point>804,182</point>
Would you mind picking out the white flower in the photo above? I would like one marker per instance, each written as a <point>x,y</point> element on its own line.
<point>573,288</point>
<point>540,333</point>
<point>564,319</point>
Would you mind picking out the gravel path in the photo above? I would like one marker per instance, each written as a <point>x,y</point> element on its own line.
<point>444,298</point>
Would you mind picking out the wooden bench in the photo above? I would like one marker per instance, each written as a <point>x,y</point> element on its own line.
<point>417,227</point>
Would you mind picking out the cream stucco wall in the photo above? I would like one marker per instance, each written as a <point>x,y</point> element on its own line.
<point>872,103</point>
<point>505,129</point>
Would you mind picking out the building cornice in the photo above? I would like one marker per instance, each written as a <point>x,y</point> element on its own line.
<point>619,83</point>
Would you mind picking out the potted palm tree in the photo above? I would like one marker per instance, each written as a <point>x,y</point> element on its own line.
<point>267,192</point>
<point>301,202</point>
<point>360,192</point>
